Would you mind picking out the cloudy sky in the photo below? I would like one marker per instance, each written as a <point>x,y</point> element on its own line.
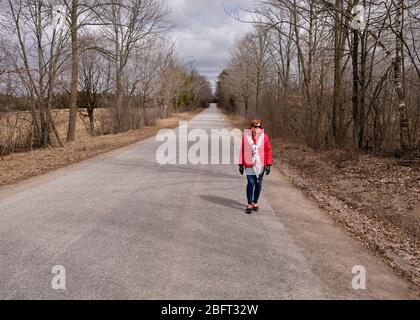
<point>204,32</point>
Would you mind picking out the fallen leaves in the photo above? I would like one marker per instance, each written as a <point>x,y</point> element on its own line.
<point>376,199</point>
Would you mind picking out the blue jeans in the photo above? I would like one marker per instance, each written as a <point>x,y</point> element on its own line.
<point>253,189</point>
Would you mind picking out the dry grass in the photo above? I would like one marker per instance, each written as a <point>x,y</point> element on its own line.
<point>19,166</point>
<point>15,127</point>
<point>102,123</point>
<point>375,199</point>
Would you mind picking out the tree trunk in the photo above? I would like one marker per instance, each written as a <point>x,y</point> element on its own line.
<point>91,121</point>
<point>71,132</point>
<point>362,100</point>
<point>338,62</point>
<point>119,94</point>
<point>402,108</point>
<point>257,94</point>
<point>356,83</point>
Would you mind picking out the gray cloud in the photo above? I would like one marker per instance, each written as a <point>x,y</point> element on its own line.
<point>205,34</point>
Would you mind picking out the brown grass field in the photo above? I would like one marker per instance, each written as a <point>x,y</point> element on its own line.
<point>23,165</point>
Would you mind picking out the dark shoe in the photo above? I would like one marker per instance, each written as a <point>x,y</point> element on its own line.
<point>248,209</point>
<point>255,207</point>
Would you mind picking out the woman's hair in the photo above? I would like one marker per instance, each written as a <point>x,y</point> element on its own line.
<point>255,123</point>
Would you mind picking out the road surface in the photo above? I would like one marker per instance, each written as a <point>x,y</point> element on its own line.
<point>125,227</point>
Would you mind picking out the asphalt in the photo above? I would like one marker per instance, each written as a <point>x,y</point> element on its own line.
<point>126,227</point>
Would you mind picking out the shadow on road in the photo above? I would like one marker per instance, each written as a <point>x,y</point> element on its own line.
<point>224,202</point>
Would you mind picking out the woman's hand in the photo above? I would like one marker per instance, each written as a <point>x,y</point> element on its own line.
<point>241,169</point>
<point>267,170</point>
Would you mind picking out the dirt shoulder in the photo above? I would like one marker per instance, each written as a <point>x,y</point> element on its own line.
<point>20,166</point>
<point>374,199</point>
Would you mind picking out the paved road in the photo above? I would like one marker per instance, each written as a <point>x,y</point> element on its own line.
<point>125,227</point>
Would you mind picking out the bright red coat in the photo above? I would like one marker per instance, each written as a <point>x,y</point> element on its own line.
<point>265,153</point>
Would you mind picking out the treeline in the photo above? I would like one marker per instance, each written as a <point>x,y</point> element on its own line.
<point>88,54</point>
<point>334,74</point>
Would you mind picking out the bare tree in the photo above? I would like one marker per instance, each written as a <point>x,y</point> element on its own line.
<point>398,75</point>
<point>41,53</point>
<point>346,87</point>
<point>93,84</point>
<point>127,25</point>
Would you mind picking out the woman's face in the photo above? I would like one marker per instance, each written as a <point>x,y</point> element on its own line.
<point>256,129</point>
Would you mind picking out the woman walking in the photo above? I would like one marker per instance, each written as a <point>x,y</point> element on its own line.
<point>255,160</point>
